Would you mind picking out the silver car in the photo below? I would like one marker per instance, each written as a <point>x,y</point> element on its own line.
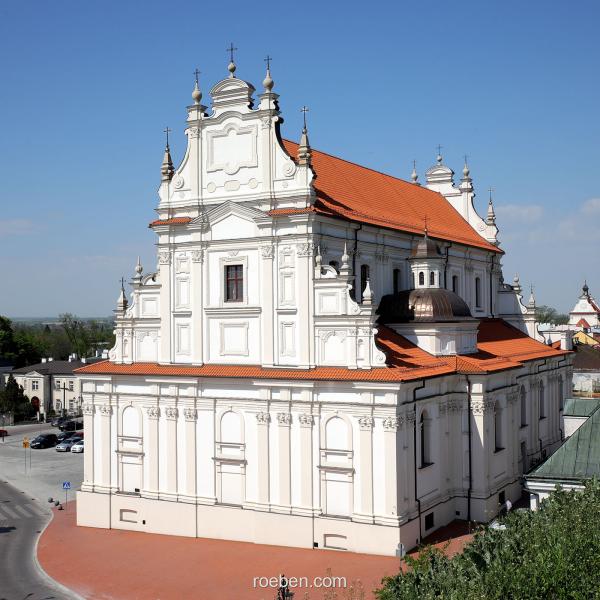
<point>77,446</point>
<point>66,445</point>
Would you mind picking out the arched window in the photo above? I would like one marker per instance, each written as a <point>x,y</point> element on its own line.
<point>432,278</point>
<point>364,276</point>
<point>455,284</point>
<point>523,407</point>
<point>498,428</point>
<point>425,426</point>
<point>335,264</point>
<point>477,292</point>
<point>396,280</point>
<point>542,402</point>
<point>421,278</point>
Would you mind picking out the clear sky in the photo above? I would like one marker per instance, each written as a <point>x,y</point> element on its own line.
<point>87,88</point>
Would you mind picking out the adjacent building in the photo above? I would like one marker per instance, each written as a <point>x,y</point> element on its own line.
<point>51,385</point>
<point>325,356</point>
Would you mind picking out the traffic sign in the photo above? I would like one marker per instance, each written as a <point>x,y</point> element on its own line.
<point>66,485</point>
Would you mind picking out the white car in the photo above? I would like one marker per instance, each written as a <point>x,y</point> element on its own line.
<point>78,447</point>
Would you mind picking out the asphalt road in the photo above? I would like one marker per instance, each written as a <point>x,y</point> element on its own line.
<point>22,519</point>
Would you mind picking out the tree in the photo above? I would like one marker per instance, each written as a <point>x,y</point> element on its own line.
<point>550,553</point>
<point>13,400</point>
<point>547,314</point>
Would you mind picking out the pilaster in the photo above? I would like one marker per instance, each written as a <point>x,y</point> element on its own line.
<point>171,414</point>
<point>262,433</point>
<point>268,317</point>
<point>365,424</point>
<point>284,421</point>
<point>151,450</point>
<point>306,462</point>
<point>190,415</point>
<point>165,260</point>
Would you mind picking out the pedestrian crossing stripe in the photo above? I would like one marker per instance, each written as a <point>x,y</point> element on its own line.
<point>25,510</point>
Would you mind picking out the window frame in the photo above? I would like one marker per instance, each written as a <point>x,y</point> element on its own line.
<point>478,303</point>
<point>224,262</point>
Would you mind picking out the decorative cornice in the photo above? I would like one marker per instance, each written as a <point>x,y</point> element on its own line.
<point>392,423</point>
<point>305,249</point>
<point>190,414</point>
<point>284,418</point>
<point>365,423</point>
<point>263,418</point>
<point>480,407</point>
<point>171,412</point>
<point>306,420</point>
<point>153,412</point>
<point>164,257</point>
<point>105,410</point>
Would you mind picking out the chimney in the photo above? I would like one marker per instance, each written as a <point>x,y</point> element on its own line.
<point>566,340</point>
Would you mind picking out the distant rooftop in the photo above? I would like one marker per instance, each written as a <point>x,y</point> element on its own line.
<point>578,458</point>
<point>580,407</point>
<point>586,358</point>
<point>55,367</point>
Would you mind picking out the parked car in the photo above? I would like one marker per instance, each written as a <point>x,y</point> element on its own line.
<point>3,433</point>
<point>58,421</point>
<point>65,435</point>
<point>71,425</point>
<point>77,446</point>
<point>44,440</point>
<point>66,445</point>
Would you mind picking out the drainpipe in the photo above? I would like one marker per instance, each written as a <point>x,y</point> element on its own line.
<point>446,267</point>
<point>470,465</point>
<point>414,402</point>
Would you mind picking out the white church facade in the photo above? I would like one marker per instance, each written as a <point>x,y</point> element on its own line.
<point>326,356</point>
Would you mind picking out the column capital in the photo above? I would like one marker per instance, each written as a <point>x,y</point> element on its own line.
<point>105,410</point>
<point>88,409</point>
<point>190,414</point>
<point>263,418</point>
<point>365,423</point>
<point>392,423</point>
<point>284,419</point>
<point>171,413</point>
<point>306,420</point>
<point>164,257</point>
<point>153,412</point>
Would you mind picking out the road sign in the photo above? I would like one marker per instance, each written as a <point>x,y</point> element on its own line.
<point>66,485</point>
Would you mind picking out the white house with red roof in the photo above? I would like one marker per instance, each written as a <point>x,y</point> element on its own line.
<point>586,312</point>
<point>326,356</point>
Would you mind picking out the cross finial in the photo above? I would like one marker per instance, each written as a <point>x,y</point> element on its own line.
<point>304,110</point>
<point>167,131</point>
<point>231,50</point>
<point>426,230</point>
<point>490,190</point>
<point>196,73</point>
<point>122,283</point>
<point>268,60</point>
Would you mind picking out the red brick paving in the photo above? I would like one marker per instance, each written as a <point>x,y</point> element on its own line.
<point>110,564</point>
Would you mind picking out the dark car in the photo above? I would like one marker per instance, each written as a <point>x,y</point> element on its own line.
<point>64,435</point>
<point>44,440</point>
<point>71,426</point>
<point>57,421</point>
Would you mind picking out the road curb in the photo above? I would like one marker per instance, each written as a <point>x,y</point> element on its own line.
<point>63,589</point>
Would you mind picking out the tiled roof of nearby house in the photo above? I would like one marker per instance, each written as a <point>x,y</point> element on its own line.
<point>578,458</point>
<point>580,407</point>
<point>501,346</point>
<point>54,367</point>
<point>171,221</point>
<point>586,358</point>
<point>357,193</point>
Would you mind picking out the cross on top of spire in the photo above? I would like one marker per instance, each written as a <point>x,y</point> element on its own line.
<point>304,110</point>
<point>122,283</point>
<point>231,50</point>
<point>490,190</point>
<point>167,131</point>
<point>268,60</point>
<point>196,73</point>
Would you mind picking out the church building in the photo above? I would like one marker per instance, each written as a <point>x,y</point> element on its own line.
<point>325,356</point>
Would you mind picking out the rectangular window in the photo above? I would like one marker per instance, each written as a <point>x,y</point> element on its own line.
<point>34,385</point>
<point>396,280</point>
<point>477,292</point>
<point>71,384</point>
<point>57,385</point>
<point>429,521</point>
<point>234,283</point>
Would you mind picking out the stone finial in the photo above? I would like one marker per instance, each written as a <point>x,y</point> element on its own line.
<point>318,257</point>
<point>491,215</point>
<point>231,66</point>
<point>367,295</point>
<point>517,283</point>
<point>304,151</point>
<point>122,300</point>
<point>414,175</point>
<point>466,171</point>
<point>531,303</point>
<point>439,158</point>
<point>586,289</point>
<point>196,94</point>
<point>268,80</point>
<point>138,270</point>
<point>345,268</point>
<point>167,170</point>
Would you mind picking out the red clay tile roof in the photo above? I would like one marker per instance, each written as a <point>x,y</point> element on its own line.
<point>501,346</point>
<point>356,193</point>
<point>171,221</point>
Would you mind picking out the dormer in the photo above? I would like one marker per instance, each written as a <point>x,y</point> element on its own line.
<point>426,263</point>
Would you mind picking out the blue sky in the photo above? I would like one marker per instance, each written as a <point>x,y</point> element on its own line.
<point>87,89</point>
